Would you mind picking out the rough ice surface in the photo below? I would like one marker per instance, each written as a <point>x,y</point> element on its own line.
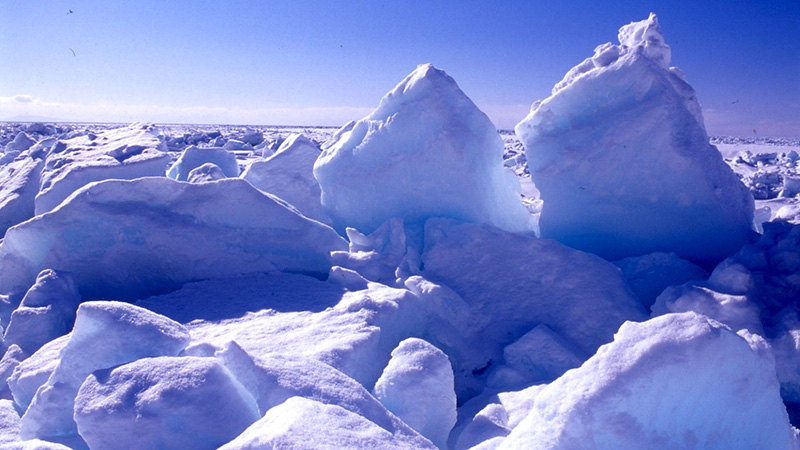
<point>677,381</point>
<point>9,422</point>
<point>106,334</point>
<point>649,275</point>
<point>33,444</point>
<point>20,143</point>
<point>540,355</point>
<point>12,357</point>
<point>34,371</point>
<point>417,386</point>
<point>123,153</point>
<point>194,157</point>
<point>426,151</point>
<point>621,157</point>
<point>288,174</point>
<point>129,239</point>
<point>512,283</point>
<point>274,378</point>
<point>206,173</point>
<point>46,312</point>
<point>301,423</point>
<point>178,403</point>
<point>19,184</point>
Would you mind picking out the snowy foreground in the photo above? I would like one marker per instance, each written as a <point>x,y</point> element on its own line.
<point>605,278</point>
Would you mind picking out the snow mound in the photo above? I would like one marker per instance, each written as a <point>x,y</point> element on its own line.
<point>426,151</point>
<point>288,174</point>
<point>194,157</point>
<point>621,157</point>
<point>129,239</point>
<point>300,423</point>
<point>106,334</point>
<point>177,403</point>
<point>19,183</point>
<point>206,173</point>
<point>20,143</point>
<point>46,312</point>
<point>124,153</point>
<point>417,386</point>
<point>677,381</point>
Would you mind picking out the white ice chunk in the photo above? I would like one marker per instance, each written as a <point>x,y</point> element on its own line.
<point>427,150</point>
<point>33,444</point>
<point>206,173</point>
<point>301,423</point>
<point>19,183</point>
<point>621,157</point>
<point>676,381</point>
<point>129,239</point>
<point>288,174</point>
<point>21,142</point>
<point>542,355</point>
<point>123,153</point>
<point>417,385</point>
<point>176,403</point>
<point>46,312</point>
<point>106,334</point>
<point>194,157</point>
<point>11,360</point>
<point>34,371</point>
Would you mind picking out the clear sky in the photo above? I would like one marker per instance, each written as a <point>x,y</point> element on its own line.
<point>324,62</point>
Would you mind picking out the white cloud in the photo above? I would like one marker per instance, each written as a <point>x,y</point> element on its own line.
<point>27,106</point>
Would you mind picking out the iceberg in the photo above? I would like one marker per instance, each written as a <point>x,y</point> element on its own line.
<point>621,157</point>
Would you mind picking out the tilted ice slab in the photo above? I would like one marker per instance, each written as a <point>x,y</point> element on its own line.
<point>426,151</point>
<point>124,153</point>
<point>19,183</point>
<point>677,381</point>
<point>129,239</point>
<point>288,174</point>
<point>621,157</point>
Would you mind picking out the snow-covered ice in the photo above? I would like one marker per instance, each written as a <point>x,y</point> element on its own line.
<point>623,162</point>
<point>637,392</point>
<point>130,239</point>
<point>178,403</point>
<point>123,153</point>
<point>430,315</point>
<point>425,151</point>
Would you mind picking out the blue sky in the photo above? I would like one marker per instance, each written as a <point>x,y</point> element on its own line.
<point>326,62</point>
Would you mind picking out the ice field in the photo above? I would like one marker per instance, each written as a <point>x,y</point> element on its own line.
<point>605,276</point>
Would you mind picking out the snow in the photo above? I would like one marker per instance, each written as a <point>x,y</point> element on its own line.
<point>623,162</point>
<point>288,174</point>
<point>307,424</point>
<point>106,334</point>
<point>21,142</point>
<point>122,153</point>
<point>180,403</point>
<point>417,386</point>
<point>130,239</point>
<point>677,381</point>
<point>46,312</point>
<point>19,183</point>
<point>430,317</point>
<point>425,151</point>
<point>194,157</point>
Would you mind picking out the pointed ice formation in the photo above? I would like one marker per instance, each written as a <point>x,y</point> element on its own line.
<point>622,159</point>
<point>426,151</point>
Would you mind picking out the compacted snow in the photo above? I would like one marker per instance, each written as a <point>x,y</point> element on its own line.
<point>610,278</point>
